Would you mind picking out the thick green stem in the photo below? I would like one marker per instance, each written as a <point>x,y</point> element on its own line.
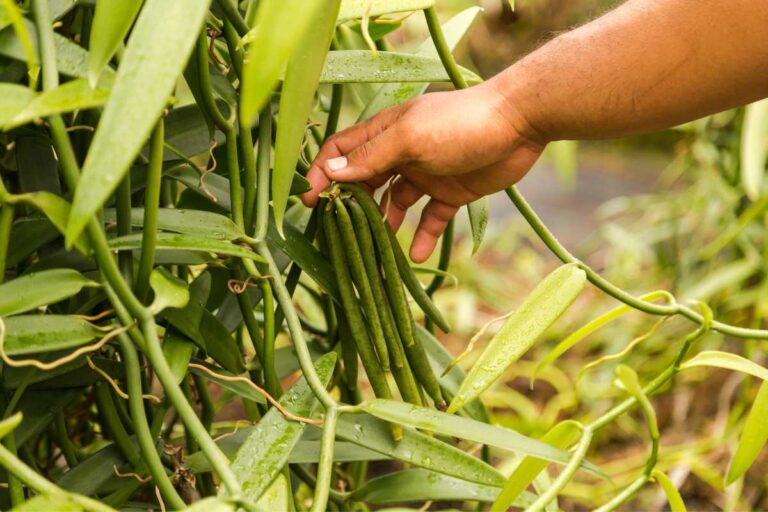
<point>123,207</point>
<point>147,443</point>
<point>325,465</point>
<point>443,51</point>
<point>625,494</point>
<point>249,177</point>
<point>263,172</point>
<point>233,15</point>
<point>337,98</point>
<point>562,253</point>
<point>151,207</point>
<point>117,431</point>
<point>235,54</point>
<point>63,440</point>
<point>6,224</point>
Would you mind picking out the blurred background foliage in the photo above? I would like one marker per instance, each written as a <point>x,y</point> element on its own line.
<point>666,210</point>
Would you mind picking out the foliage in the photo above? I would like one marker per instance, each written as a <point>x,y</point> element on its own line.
<point>154,262</point>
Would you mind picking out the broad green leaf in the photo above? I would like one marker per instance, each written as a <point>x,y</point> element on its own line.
<point>279,29</point>
<point>540,309</point>
<point>358,8</point>
<point>417,449</point>
<point>55,208</point>
<point>676,503</point>
<point>237,387</point>
<point>187,243</point>
<point>160,44</point>
<point>58,502</point>
<point>111,22</point>
<point>356,66</point>
<point>207,225</point>
<point>478,220</point>
<point>413,485</point>
<point>631,383</point>
<point>753,437</point>
<point>395,94</point>
<point>464,428</point>
<point>211,504</point>
<point>296,100</point>
<point>93,471</point>
<point>22,32</point>
<point>69,97</point>
<point>170,291</point>
<point>592,326</point>
<point>728,361</point>
<point>561,436</point>
<point>36,334</point>
<point>266,450</point>
<point>70,58</point>
<point>38,410</point>
<point>40,289</point>
<point>278,496</point>
<point>178,351</point>
<point>754,148</point>
<point>13,99</point>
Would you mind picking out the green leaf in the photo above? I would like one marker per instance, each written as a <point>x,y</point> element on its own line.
<point>36,334</point>
<point>160,44</point>
<point>394,94</point>
<point>296,101</point>
<point>478,221</point>
<point>753,437</point>
<point>561,436</point>
<point>212,226</point>
<point>111,22</point>
<point>464,428</point>
<point>422,485</point>
<point>676,503</point>
<point>13,99</point>
<point>266,450</point>
<point>239,388</point>
<point>417,449</point>
<point>58,502</point>
<point>754,148</point>
<point>540,309</point>
<point>170,291</point>
<point>69,97</point>
<point>211,504</point>
<point>55,208</point>
<point>358,8</point>
<point>279,29</point>
<point>278,496</point>
<point>631,383</point>
<point>728,361</point>
<point>178,351</point>
<point>187,243</point>
<point>356,66</point>
<point>40,289</point>
<point>8,425</point>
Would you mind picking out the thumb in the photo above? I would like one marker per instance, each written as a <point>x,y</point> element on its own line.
<point>373,157</point>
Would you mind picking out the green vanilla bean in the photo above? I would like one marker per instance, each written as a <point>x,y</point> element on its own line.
<point>263,172</point>
<point>355,319</point>
<point>361,281</point>
<point>401,369</point>
<point>394,286</point>
<point>151,206</point>
<point>337,98</point>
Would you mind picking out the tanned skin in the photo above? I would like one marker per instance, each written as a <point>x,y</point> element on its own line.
<point>645,66</point>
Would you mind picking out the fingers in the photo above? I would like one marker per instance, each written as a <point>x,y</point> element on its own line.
<point>396,202</point>
<point>371,159</point>
<point>434,219</point>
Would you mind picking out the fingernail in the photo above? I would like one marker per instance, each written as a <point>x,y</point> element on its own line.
<point>338,163</point>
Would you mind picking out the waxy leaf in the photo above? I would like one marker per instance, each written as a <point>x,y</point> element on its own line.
<point>263,455</point>
<point>676,503</point>
<point>395,94</point>
<point>540,309</point>
<point>54,207</point>
<point>422,485</point>
<point>464,428</point>
<point>111,22</point>
<point>170,291</point>
<point>160,44</point>
<point>358,8</point>
<point>417,449</point>
<point>560,436</point>
<point>211,504</point>
<point>237,387</point>
<point>40,289</point>
<point>36,334</point>
<point>478,220</point>
<point>279,29</point>
<point>212,226</point>
<point>296,100</point>
<point>178,351</point>
<point>754,148</point>
<point>187,243</point>
<point>753,437</point>
<point>726,360</point>
<point>13,99</point>
<point>356,66</point>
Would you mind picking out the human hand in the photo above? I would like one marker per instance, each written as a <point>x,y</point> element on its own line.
<point>454,147</point>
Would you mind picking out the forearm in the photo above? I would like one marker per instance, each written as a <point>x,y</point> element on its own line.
<point>647,65</point>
